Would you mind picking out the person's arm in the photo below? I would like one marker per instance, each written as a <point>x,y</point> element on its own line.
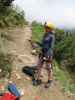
<point>38,43</point>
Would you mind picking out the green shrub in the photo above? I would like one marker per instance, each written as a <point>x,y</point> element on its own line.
<point>5,65</point>
<point>5,59</point>
<point>37,31</point>
<point>12,17</point>
<point>65,50</point>
<point>64,78</point>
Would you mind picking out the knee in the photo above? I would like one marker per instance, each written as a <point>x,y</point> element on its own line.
<point>49,67</point>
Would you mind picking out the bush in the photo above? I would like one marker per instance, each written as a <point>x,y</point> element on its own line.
<point>5,65</point>
<point>65,50</point>
<point>11,16</point>
<point>5,59</point>
<point>5,2</point>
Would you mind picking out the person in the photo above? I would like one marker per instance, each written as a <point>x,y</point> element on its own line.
<point>46,54</point>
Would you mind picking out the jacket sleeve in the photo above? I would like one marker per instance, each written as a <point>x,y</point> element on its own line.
<point>53,42</point>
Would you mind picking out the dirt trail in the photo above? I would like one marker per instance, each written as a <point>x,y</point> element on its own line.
<point>21,50</point>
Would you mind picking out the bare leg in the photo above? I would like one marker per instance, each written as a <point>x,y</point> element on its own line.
<point>39,68</point>
<point>37,80</point>
<point>49,69</point>
<point>50,76</point>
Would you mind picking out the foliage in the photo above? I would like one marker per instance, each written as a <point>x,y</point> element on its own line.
<point>4,5</point>
<point>5,65</point>
<point>9,15</point>
<point>5,2</point>
<point>37,31</point>
<point>64,78</point>
<point>5,60</point>
<point>12,17</point>
<point>65,50</point>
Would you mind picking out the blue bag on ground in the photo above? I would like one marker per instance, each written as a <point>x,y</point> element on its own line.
<point>13,89</point>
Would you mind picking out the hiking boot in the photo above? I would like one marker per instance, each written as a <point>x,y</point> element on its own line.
<point>48,84</point>
<point>36,82</point>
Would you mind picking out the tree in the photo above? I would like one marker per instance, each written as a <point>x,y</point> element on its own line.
<point>5,2</point>
<point>4,6</point>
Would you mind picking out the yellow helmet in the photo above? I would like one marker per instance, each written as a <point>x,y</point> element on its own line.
<point>50,25</point>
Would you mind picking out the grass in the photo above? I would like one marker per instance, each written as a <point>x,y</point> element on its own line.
<point>64,78</point>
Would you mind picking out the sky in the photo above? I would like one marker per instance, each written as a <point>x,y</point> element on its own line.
<point>59,12</point>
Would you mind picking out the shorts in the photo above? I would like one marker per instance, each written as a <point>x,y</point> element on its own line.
<point>47,54</point>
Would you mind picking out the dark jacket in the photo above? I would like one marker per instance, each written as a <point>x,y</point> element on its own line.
<point>48,44</point>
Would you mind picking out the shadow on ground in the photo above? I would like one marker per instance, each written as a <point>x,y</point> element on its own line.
<point>29,71</point>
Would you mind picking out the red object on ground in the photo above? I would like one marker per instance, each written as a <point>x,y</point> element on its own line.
<point>37,98</point>
<point>0,97</point>
<point>8,96</point>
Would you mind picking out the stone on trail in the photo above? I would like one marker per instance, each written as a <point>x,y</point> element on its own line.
<point>18,76</point>
<point>0,70</point>
<point>33,52</point>
<point>27,78</point>
<point>22,92</point>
